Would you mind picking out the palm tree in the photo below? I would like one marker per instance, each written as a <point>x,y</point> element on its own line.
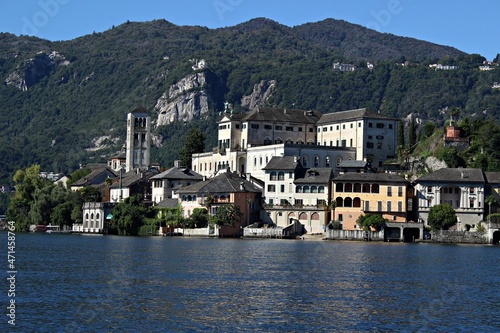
<point>491,200</point>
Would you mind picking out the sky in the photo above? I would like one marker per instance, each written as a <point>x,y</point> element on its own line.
<point>470,26</point>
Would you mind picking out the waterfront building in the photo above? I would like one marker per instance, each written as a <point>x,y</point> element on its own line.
<point>132,183</point>
<point>95,178</point>
<point>293,192</point>
<point>167,182</point>
<point>463,189</point>
<point>224,189</point>
<point>357,194</point>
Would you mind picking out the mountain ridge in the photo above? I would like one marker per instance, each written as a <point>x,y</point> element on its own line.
<point>69,104</point>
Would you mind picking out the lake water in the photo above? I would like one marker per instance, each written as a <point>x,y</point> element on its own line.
<point>79,283</point>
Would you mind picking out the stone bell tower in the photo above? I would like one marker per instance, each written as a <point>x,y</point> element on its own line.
<point>138,139</point>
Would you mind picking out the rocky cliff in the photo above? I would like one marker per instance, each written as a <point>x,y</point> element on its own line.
<point>186,100</point>
<point>260,94</point>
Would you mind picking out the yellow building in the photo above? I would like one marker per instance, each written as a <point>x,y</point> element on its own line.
<point>356,194</point>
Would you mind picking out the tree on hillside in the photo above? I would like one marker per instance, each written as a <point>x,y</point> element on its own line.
<point>194,143</point>
<point>401,134</point>
<point>129,215</point>
<point>442,216</point>
<point>412,133</point>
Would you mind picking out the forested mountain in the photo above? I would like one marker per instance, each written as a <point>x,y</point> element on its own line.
<point>65,103</point>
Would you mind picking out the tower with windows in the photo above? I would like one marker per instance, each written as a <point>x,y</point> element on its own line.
<point>138,139</point>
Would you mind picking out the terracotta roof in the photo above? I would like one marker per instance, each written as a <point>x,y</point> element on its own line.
<point>226,182</point>
<point>282,163</point>
<point>178,173</point>
<point>356,114</point>
<point>372,177</point>
<point>454,175</point>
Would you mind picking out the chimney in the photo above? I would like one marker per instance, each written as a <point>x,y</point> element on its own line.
<point>177,163</point>
<point>284,111</point>
<point>295,159</point>
<point>242,186</point>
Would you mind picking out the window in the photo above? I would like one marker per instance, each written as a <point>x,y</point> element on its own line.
<point>298,202</point>
<point>254,126</point>
<point>379,145</point>
<point>429,189</point>
<point>331,128</point>
<point>370,124</point>
<point>367,205</point>
<point>341,217</point>
<point>338,127</point>
<point>471,203</point>
<point>400,191</point>
<point>311,130</point>
<point>350,144</point>
<point>289,128</point>
<point>299,129</point>
<point>271,202</point>
<point>282,188</point>
<point>344,143</point>
<point>321,189</point>
<point>278,128</point>
<point>327,161</point>
<point>307,189</point>
<point>273,175</point>
<point>290,174</point>
<point>400,206</point>
<point>380,125</point>
<point>379,206</point>
<point>298,189</point>
<point>352,125</point>
<point>359,124</point>
<point>316,161</point>
<point>325,129</point>
<point>271,188</point>
<point>304,160</point>
<point>369,145</point>
<point>314,189</point>
<point>281,175</point>
<point>390,126</point>
<point>471,190</point>
<point>389,191</point>
<point>380,137</point>
<point>268,127</point>
<point>237,126</point>
<point>260,161</point>
<point>339,160</point>
<point>389,206</point>
<point>343,126</point>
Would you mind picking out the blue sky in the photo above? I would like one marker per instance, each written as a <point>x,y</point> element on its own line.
<point>471,26</point>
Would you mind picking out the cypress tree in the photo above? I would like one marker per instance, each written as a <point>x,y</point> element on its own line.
<point>401,134</point>
<point>412,133</point>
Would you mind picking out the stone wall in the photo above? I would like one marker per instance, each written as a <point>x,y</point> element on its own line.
<point>449,236</point>
<point>354,235</point>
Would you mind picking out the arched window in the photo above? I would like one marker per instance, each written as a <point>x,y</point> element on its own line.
<point>184,198</point>
<point>281,175</point>
<point>356,202</point>
<point>348,187</point>
<point>298,189</point>
<point>316,161</point>
<point>289,141</point>
<point>321,189</point>
<point>315,216</point>
<point>97,216</point>
<point>375,188</point>
<point>366,188</point>
<point>87,216</point>
<point>327,161</point>
<point>268,141</point>
<point>340,202</point>
<point>357,187</point>
<point>194,197</point>
<point>278,140</point>
<point>302,216</point>
<point>314,189</point>
<point>300,142</point>
<point>339,187</point>
<point>339,160</point>
<point>92,216</point>
<point>304,160</point>
<point>347,202</point>
<point>273,175</point>
<point>307,189</point>
<point>189,198</point>
<point>222,197</point>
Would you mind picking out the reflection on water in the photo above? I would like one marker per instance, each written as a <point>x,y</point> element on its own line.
<point>75,283</point>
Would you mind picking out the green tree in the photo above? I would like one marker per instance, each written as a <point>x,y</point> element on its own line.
<point>128,216</point>
<point>429,129</point>
<point>401,134</point>
<point>368,221</point>
<point>491,200</point>
<point>442,216</point>
<point>229,214</point>
<point>412,133</point>
<point>194,143</point>
<point>198,219</point>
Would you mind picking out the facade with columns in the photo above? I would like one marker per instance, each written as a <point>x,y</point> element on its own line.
<point>462,188</point>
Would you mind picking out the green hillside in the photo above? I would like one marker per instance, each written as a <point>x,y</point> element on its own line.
<point>58,98</point>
